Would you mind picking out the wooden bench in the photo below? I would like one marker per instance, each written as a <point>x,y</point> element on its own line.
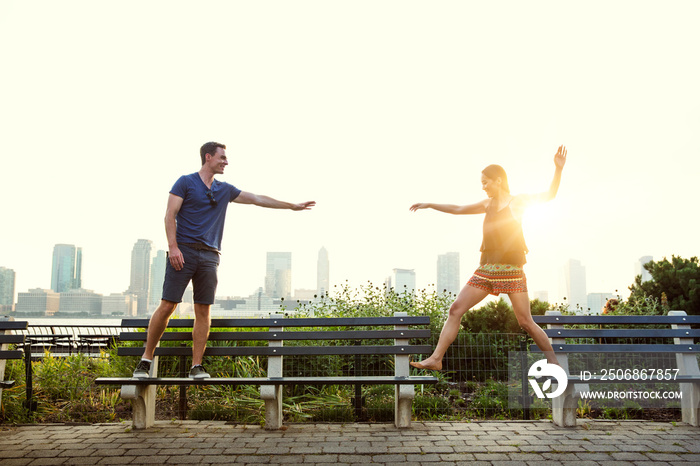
<point>605,339</point>
<point>274,331</point>
<point>7,338</point>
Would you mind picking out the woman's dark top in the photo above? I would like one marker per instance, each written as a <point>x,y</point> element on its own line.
<point>503,242</point>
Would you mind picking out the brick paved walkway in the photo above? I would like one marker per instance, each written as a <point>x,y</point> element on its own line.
<point>446,443</point>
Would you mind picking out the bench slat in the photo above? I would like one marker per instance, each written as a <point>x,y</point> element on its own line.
<point>286,322</point>
<point>604,348</point>
<point>370,380</point>
<point>621,333</point>
<point>12,339</point>
<point>11,354</point>
<point>276,336</point>
<point>282,350</point>
<point>13,325</point>
<point>608,320</point>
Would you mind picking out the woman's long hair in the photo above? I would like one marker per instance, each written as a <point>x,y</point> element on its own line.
<point>497,171</point>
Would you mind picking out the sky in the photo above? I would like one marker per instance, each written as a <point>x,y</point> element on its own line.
<point>365,107</point>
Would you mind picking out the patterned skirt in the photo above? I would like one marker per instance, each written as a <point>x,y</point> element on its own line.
<point>499,278</point>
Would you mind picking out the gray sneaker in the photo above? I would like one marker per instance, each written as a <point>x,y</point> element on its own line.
<point>198,372</point>
<point>142,370</point>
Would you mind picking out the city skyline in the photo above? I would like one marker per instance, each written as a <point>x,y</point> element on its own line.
<point>148,269</point>
<point>365,108</point>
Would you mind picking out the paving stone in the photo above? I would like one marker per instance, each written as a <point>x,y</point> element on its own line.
<point>429,458</point>
<point>513,443</point>
<point>664,457</point>
<point>491,456</point>
<point>47,461</point>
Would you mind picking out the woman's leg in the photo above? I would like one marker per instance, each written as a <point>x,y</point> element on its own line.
<point>521,307</point>
<point>469,297</point>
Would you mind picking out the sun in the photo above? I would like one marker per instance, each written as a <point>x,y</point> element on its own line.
<point>537,220</point>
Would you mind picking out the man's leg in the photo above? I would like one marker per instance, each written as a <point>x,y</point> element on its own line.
<point>204,284</point>
<point>157,325</point>
<point>200,332</point>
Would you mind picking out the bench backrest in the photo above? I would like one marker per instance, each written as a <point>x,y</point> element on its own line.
<point>8,338</point>
<point>604,338</point>
<point>278,329</point>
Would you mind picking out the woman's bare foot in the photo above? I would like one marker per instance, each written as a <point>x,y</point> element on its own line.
<point>427,364</point>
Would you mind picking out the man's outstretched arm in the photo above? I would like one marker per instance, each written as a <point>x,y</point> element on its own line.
<point>266,201</point>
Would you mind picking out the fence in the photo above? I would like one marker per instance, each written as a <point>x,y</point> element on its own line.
<point>62,340</point>
<point>472,383</point>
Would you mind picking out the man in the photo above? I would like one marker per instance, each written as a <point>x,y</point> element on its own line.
<point>194,225</point>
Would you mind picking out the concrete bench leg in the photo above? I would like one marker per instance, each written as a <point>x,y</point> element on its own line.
<point>143,402</point>
<point>565,405</point>
<point>687,365</point>
<point>693,417</point>
<point>2,375</point>
<point>403,394</point>
<point>403,403</point>
<point>690,404</point>
<point>2,370</point>
<point>4,347</point>
<point>564,408</point>
<point>272,394</point>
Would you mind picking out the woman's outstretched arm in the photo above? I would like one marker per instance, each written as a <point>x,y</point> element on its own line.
<point>478,208</point>
<point>559,162</point>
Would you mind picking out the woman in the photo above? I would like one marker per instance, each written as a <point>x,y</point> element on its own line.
<point>502,257</point>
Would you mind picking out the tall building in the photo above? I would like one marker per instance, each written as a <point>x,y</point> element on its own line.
<point>541,295</point>
<point>119,304</point>
<point>80,302</point>
<point>575,285</point>
<point>322,273</point>
<point>404,281</point>
<point>448,273</point>
<point>640,270</point>
<point>7,290</point>
<point>157,277</point>
<point>388,285</point>
<point>37,302</point>
<point>596,301</point>
<point>66,268</point>
<point>140,283</point>
<point>278,275</point>
<point>78,279</point>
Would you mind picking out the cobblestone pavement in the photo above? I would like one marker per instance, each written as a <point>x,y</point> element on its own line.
<point>446,443</point>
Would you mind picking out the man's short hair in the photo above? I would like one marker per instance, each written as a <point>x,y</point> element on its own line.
<point>209,148</point>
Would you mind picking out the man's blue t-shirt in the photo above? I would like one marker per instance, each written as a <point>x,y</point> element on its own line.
<point>201,217</point>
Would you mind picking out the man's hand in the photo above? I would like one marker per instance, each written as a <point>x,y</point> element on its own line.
<point>420,205</point>
<point>304,205</point>
<point>560,157</point>
<point>177,260</point>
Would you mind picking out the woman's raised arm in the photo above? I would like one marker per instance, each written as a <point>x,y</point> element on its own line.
<point>559,162</point>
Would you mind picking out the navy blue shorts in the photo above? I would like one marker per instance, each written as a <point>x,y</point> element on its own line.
<point>201,268</point>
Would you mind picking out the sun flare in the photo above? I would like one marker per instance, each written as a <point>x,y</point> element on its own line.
<point>537,220</point>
